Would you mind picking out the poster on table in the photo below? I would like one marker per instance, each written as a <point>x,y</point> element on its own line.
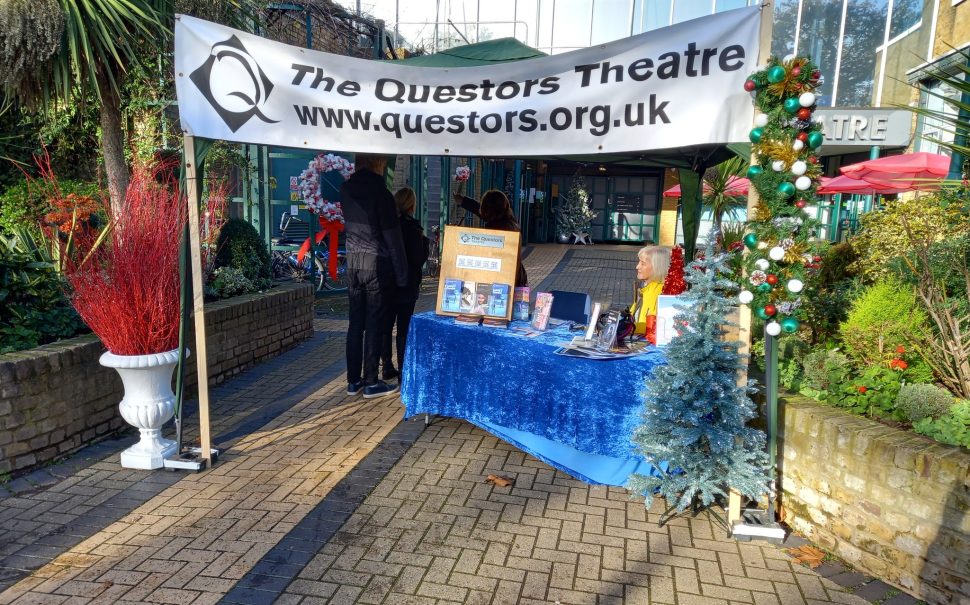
<point>667,328</point>
<point>638,93</point>
<point>478,268</point>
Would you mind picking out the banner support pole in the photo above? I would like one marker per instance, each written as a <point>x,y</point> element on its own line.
<point>193,196</point>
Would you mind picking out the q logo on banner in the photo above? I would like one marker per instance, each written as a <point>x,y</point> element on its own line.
<point>233,83</point>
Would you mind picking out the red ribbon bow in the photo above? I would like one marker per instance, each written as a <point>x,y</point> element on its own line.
<point>331,230</point>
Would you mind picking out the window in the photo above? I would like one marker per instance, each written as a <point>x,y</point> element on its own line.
<point>819,39</point>
<point>906,14</point>
<point>783,30</point>
<point>610,21</point>
<point>685,10</point>
<point>862,37</point>
<point>929,130</point>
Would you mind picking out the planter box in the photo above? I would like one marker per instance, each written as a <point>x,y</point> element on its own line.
<point>890,502</point>
<point>57,398</point>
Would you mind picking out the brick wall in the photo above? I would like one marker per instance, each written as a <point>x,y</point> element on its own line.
<point>890,502</point>
<point>57,398</point>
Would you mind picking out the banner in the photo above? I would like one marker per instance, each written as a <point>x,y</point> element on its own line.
<point>673,87</point>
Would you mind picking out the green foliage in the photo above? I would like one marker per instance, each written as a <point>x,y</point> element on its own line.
<point>886,315</point>
<point>21,207</point>
<point>824,371</point>
<point>952,428</point>
<point>716,185</point>
<point>918,401</point>
<point>228,282</point>
<point>883,237</point>
<point>31,296</point>
<point>240,247</point>
<point>872,393</point>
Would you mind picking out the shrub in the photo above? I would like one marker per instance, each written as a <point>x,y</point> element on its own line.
<point>919,401</point>
<point>35,310</point>
<point>824,370</point>
<point>228,282</point>
<point>952,428</point>
<point>240,247</point>
<point>829,294</point>
<point>23,206</point>
<point>883,317</point>
<point>883,235</point>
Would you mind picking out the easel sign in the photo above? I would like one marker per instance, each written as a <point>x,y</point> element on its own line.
<point>484,258</point>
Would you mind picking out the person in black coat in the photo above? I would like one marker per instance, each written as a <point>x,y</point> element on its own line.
<point>416,249</point>
<point>496,212</point>
<point>376,266</point>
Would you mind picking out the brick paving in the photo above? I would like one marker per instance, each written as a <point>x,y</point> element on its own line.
<point>324,498</point>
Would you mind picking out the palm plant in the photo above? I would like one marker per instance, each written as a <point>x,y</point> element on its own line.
<point>716,186</point>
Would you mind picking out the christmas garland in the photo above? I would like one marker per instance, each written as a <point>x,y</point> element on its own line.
<point>785,140</point>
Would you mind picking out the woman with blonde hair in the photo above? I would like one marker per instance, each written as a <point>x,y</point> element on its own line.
<point>653,263</point>
<point>402,305</point>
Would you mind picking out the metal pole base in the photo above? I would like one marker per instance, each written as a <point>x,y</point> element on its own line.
<point>190,460</point>
<point>756,524</point>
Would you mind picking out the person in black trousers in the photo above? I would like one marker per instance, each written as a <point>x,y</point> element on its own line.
<point>416,250</point>
<point>376,265</point>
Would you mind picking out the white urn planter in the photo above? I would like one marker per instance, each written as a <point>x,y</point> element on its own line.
<point>147,405</point>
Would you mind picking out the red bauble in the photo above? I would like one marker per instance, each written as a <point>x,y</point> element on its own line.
<point>772,279</point>
<point>804,113</point>
<point>817,259</point>
<point>750,86</point>
<point>801,204</point>
<point>816,75</point>
<point>812,159</point>
<point>770,310</point>
<point>796,71</point>
<point>802,136</point>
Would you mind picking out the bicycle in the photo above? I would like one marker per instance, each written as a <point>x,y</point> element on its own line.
<point>295,231</point>
<point>432,266</point>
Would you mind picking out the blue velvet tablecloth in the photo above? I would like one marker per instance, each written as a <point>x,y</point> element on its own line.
<point>577,415</point>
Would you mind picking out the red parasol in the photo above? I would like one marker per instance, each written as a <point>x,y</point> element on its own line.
<point>844,184</point>
<point>906,172</point>
<point>736,186</point>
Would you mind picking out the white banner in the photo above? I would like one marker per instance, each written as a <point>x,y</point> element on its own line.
<point>668,88</point>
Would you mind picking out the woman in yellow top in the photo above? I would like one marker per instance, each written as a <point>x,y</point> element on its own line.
<point>654,261</point>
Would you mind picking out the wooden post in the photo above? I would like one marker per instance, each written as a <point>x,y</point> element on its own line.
<point>193,196</point>
<point>744,319</point>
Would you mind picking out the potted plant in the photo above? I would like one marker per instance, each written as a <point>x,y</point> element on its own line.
<point>126,289</point>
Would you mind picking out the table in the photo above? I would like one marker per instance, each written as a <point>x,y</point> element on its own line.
<point>577,415</point>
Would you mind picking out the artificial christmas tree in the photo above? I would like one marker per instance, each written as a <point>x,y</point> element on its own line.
<point>574,216</point>
<point>674,282</point>
<point>695,414</point>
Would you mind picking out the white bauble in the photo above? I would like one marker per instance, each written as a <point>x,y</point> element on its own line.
<point>776,253</point>
<point>778,165</point>
<point>745,297</point>
<point>795,285</point>
<point>761,120</point>
<point>788,58</point>
<point>802,183</point>
<point>762,264</point>
<point>798,145</point>
<point>806,99</point>
<point>799,167</point>
<point>773,328</point>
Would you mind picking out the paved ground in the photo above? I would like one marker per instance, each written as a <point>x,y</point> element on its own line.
<point>324,498</point>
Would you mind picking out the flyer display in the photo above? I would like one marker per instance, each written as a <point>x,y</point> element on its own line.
<point>478,269</point>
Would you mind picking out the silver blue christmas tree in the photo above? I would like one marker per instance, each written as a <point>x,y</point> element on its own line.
<point>695,414</point>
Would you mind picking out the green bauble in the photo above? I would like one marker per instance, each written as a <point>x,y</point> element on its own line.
<point>776,74</point>
<point>792,105</point>
<point>786,189</point>
<point>765,287</point>
<point>755,135</point>
<point>760,312</point>
<point>754,172</point>
<point>789,325</point>
<point>751,241</point>
<point>815,139</point>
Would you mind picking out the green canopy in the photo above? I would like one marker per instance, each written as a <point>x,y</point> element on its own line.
<point>482,53</point>
<point>694,160</point>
